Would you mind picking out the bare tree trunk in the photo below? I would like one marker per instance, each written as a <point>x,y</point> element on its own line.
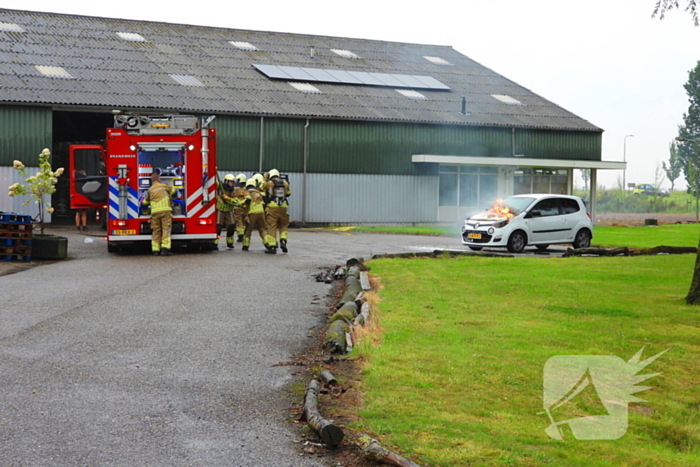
<point>693,297</point>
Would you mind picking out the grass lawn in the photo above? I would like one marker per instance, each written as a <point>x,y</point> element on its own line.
<point>647,237</point>
<point>457,378</point>
<point>633,237</point>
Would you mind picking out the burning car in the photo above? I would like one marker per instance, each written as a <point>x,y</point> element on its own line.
<point>534,219</point>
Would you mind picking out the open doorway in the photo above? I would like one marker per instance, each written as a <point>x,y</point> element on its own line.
<point>73,128</point>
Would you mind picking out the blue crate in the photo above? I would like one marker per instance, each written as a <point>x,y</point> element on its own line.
<point>13,217</point>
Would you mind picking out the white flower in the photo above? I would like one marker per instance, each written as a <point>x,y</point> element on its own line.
<point>50,210</point>
<point>12,187</point>
<point>46,152</point>
<point>17,165</point>
<point>59,171</point>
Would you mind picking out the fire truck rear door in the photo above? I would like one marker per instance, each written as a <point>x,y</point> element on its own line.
<point>88,177</point>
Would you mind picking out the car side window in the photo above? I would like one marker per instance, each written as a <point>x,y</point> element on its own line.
<point>545,208</point>
<point>570,206</point>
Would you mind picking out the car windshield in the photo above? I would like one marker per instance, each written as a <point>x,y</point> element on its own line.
<point>516,204</point>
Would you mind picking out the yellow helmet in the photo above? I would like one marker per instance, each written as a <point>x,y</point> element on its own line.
<point>274,173</point>
<point>229,178</point>
<point>241,178</point>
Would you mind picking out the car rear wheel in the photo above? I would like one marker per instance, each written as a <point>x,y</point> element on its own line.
<point>517,242</point>
<point>476,248</point>
<point>583,239</point>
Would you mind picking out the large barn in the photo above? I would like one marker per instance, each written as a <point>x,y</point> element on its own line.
<point>368,131</point>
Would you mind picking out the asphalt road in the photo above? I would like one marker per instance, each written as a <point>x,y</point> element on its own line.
<point>134,360</point>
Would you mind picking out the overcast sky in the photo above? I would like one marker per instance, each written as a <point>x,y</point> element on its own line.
<point>606,61</point>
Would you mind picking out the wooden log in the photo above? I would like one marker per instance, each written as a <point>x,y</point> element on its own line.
<point>625,251</point>
<point>663,249</point>
<point>363,318</point>
<point>328,378</point>
<point>335,337</point>
<point>372,449</point>
<point>364,281</point>
<point>353,281</point>
<point>349,295</point>
<point>621,251</point>
<point>354,271</point>
<point>326,430</point>
<point>346,313</point>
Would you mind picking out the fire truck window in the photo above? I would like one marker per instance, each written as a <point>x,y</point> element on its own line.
<point>89,162</point>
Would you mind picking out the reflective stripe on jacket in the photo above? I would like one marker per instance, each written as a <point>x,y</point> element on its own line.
<point>158,197</point>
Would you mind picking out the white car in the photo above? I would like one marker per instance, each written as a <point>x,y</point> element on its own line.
<point>536,219</point>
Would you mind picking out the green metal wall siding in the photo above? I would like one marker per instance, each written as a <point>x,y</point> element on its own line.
<point>568,145</point>
<point>382,148</point>
<point>24,132</point>
<point>284,145</point>
<point>347,147</point>
<point>237,143</point>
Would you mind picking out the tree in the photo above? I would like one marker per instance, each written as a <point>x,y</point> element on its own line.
<point>675,164</point>
<point>586,176</point>
<point>689,132</point>
<point>664,6</point>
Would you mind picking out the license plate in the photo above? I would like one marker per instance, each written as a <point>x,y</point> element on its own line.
<point>123,232</point>
<point>474,236</point>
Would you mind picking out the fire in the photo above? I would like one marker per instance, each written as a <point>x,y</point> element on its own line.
<point>498,208</point>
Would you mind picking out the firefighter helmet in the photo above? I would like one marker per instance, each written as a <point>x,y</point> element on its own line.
<point>241,178</point>
<point>274,173</point>
<point>229,178</point>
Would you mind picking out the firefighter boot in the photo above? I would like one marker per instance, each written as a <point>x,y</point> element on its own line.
<point>230,231</point>
<point>271,251</point>
<point>283,244</point>
<point>166,252</point>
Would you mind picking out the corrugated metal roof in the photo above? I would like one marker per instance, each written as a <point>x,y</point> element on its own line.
<point>110,71</point>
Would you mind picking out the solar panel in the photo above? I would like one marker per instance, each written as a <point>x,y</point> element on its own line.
<point>326,75</point>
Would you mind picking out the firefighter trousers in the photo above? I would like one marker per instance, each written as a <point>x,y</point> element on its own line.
<point>256,221</point>
<point>277,220</point>
<point>241,217</point>
<point>161,225</point>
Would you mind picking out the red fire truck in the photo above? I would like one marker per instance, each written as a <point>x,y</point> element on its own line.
<point>116,178</point>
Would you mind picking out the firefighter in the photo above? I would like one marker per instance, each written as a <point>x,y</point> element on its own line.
<point>240,213</point>
<point>158,198</point>
<point>225,204</point>
<point>256,214</point>
<point>276,192</point>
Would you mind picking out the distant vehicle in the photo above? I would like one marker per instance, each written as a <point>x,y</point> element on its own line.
<point>535,219</point>
<point>649,190</point>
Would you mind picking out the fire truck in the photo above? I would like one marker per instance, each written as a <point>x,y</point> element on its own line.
<point>115,178</point>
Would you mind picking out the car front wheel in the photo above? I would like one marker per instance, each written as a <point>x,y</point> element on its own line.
<point>517,242</point>
<point>583,239</point>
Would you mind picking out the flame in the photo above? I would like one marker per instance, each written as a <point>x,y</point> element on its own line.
<point>499,208</point>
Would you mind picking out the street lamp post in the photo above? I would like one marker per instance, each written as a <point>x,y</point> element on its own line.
<point>624,159</point>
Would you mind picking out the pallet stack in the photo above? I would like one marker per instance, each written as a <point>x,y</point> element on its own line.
<point>15,237</point>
